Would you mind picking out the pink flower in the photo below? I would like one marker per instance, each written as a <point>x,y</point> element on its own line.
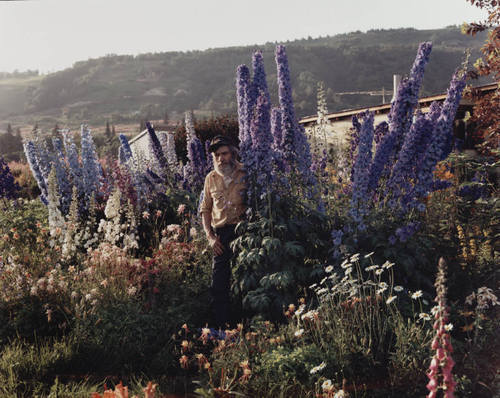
<point>434,365</point>
<point>432,385</point>
<point>145,215</point>
<point>158,213</point>
<point>181,208</point>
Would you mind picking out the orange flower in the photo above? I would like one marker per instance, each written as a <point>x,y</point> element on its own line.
<point>185,345</point>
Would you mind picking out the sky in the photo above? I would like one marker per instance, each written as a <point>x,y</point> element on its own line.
<point>50,35</point>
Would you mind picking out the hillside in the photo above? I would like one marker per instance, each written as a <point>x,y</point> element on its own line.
<point>124,88</point>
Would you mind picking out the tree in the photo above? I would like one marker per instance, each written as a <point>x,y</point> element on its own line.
<point>486,111</point>
<point>108,133</point>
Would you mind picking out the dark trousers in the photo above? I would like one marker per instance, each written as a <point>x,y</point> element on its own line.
<point>221,276</point>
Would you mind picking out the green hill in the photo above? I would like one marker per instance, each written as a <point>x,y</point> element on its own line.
<point>123,88</point>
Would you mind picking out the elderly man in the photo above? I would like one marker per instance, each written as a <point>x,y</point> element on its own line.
<point>222,208</point>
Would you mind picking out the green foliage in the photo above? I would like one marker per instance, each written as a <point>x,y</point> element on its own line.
<point>271,268</point>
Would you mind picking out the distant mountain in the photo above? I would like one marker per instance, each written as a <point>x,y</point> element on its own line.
<point>123,88</point>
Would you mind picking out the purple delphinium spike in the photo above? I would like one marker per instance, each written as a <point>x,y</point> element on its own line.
<point>276,130</point>
<point>288,122</point>
<point>195,169</point>
<point>259,81</point>
<point>91,169</point>
<point>208,155</point>
<point>402,173</point>
<point>260,169</point>
<point>400,116</point>
<point>157,151</point>
<point>9,188</point>
<point>361,167</point>
<point>74,167</point>
<point>355,131</point>
<point>295,148</point>
<point>381,129</point>
<point>441,132</point>
<point>125,147</point>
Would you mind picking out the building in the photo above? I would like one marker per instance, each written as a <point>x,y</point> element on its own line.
<point>340,123</point>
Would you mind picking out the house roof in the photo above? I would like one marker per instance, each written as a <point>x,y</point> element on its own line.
<point>423,102</point>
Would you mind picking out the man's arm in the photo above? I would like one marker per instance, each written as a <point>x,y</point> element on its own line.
<point>206,219</point>
<point>213,239</point>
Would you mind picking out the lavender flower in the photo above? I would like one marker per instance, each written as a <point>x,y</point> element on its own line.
<point>361,167</point>
<point>195,170</point>
<point>440,135</point>
<point>91,169</point>
<point>125,148</point>
<point>400,116</point>
<point>296,149</point>
<point>8,186</point>
<point>157,151</point>
<point>288,121</point>
<point>260,165</point>
<point>210,160</point>
<point>259,83</point>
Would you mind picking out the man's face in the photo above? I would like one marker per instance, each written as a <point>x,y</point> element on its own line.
<point>223,156</point>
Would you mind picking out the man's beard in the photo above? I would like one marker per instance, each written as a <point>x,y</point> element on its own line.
<point>225,170</point>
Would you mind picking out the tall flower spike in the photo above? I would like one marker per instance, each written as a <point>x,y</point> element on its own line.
<point>195,169</point>
<point>8,186</point>
<point>440,370</point>
<point>400,116</point>
<point>242,95</point>
<point>288,122</point>
<point>157,151</point>
<point>62,174</point>
<point>441,142</point>
<point>259,76</point>
<point>296,149</point>
<point>125,147</point>
<point>260,169</point>
<point>361,167</point>
<point>30,152</point>
<point>91,169</point>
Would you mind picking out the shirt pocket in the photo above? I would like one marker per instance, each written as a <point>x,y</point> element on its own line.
<point>218,198</point>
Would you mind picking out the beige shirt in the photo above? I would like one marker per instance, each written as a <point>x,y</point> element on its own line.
<point>224,201</point>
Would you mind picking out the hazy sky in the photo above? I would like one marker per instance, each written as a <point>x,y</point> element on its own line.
<point>49,35</point>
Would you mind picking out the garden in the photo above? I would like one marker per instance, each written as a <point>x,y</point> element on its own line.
<point>365,271</point>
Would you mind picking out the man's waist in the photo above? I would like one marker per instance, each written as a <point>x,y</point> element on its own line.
<point>225,228</point>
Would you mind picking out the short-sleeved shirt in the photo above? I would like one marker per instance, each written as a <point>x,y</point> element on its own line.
<point>226,203</point>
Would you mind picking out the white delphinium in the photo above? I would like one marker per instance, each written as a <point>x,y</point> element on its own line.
<point>111,227</point>
<point>130,239</point>
<point>71,240</point>
<point>56,219</point>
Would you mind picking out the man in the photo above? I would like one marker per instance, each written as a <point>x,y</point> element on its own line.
<point>222,208</point>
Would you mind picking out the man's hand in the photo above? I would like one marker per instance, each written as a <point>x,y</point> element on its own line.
<point>216,245</point>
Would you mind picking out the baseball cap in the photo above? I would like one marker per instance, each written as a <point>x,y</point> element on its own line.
<point>219,141</point>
